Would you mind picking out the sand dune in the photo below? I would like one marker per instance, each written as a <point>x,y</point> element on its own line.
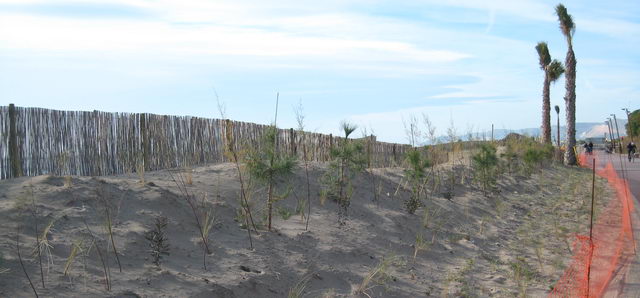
<point>473,241</point>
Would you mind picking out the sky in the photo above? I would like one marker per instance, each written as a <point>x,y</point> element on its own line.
<point>464,63</point>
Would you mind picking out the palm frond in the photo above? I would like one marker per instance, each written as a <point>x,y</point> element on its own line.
<point>348,128</point>
<point>543,54</point>
<point>566,21</point>
<point>555,70</point>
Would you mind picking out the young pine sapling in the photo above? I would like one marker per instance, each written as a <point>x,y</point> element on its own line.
<point>157,238</point>
<point>415,175</point>
<point>347,160</point>
<point>484,164</point>
<point>269,166</point>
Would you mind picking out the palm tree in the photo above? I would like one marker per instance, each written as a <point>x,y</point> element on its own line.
<point>568,29</point>
<point>552,72</point>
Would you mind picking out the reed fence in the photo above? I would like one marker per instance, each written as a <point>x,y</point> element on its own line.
<point>37,141</point>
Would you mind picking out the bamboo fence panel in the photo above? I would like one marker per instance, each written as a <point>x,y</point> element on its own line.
<point>5,165</point>
<point>101,143</point>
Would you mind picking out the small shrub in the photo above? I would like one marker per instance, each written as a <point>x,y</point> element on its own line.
<point>532,159</point>
<point>415,173</point>
<point>284,212</point>
<point>532,154</point>
<point>523,273</point>
<point>378,275</point>
<point>157,238</point>
<point>484,164</point>
<point>420,244</point>
<point>348,159</point>
<point>267,165</point>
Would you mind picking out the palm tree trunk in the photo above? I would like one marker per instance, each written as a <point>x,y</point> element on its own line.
<point>546,110</point>
<point>570,102</point>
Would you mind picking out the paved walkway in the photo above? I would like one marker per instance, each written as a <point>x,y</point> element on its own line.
<point>626,283</point>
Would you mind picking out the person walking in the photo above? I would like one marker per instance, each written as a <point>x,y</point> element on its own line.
<point>631,151</point>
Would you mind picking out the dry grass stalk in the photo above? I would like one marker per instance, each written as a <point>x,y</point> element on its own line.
<point>22,263</point>
<point>140,169</point>
<point>299,111</point>
<point>34,213</point>
<point>108,224</point>
<point>378,275</point>
<point>331,293</point>
<point>105,268</point>
<point>233,154</point>
<point>188,173</point>
<point>68,182</point>
<point>419,245</point>
<point>44,245</point>
<point>297,291</point>
<point>203,216</point>
<point>75,249</point>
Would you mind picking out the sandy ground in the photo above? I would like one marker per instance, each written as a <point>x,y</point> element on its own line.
<point>514,241</point>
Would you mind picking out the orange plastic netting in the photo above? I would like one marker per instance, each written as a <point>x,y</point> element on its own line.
<point>596,260</point>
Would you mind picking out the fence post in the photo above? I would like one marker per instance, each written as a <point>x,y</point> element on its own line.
<point>14,153</point>
<point>395,157</point>
<point>144,139</point>
<point>294,149</point>
<point>330,147</point>
<point>369,141</point>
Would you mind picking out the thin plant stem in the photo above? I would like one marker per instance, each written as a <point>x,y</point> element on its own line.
<point>105,268</point>
<point>189,198</point>
<point>34,212</point>
<point>22,263</point>
<point>244,196</point>
<point>306,172</point>
<point>113,243</point>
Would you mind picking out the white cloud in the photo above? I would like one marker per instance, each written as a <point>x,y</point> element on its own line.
<point>610,27</point>
<point>152,37</point>
<point>342,35</point>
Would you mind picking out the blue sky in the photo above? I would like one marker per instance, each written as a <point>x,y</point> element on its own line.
<point>373,62</point>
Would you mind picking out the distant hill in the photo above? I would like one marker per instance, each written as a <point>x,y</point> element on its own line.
<point>583,130</point>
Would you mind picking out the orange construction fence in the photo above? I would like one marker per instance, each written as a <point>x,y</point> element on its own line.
<point>596,259</point>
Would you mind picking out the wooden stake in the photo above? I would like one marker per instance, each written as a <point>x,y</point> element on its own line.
<point>14,153</point>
